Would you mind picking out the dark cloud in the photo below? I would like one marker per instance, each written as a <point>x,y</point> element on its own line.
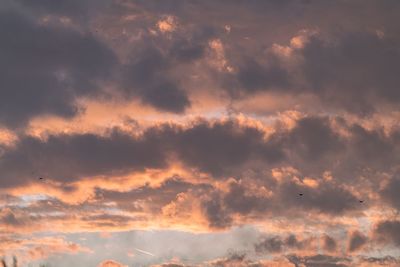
<point>319,261</point>
<point>383,261</point>
<point>354,70</point>
<point>253,76</point>
<point>389,231</point>
<point>277,244</point>
<point>347,65</point>
<point>150,72</point>
<point>390,193</point>
<point>239,200</point>
<point>44,68</point>
<point>47,65</point>
<point>69,157</point>
<point>9,218</point>
<point>215,213</point>
<point>313,138</point>
<point>374,146</point>
<point>210,147</point>
<point>357,241</point>
<point>147,76</point>
<point>329,243</point>
<point>233,259</point>
<point>350,67</point>
<point>218,148</point>
<point>70,8</point>
<point>326,198</point>
<point>243,200</point>
<point>272,244</point>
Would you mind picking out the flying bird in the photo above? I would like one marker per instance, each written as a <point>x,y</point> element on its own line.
<point>300,194</point>
<point>361,201</point>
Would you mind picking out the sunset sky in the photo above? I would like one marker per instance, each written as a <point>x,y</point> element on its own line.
<point>220,133</point>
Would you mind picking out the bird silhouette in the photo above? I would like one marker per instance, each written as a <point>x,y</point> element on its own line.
<point>300,194</point>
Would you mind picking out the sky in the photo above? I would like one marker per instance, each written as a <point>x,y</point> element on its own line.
<point>200,133</point>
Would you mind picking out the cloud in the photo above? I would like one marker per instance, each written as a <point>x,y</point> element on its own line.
<point>216,215</point>
<point>388,231</point>
<point>329,243</point>
<point>253,76</point>
<point>111,263</point>
<point>354,70</point>
<point>77,10</point>
<point>158,67</point>
<point>281,115</point>
<point>250,165</point>
<point>147,76</point>
<point>278,244</point>
<point>154,197</point>
<point>218,147</point>
<point>44,68</point>
<point>390,192</point>
<point>39,248</point>
<point>77,156</point>
<point>319,260</point>
<point>357,241</point>
<point>383,261</point>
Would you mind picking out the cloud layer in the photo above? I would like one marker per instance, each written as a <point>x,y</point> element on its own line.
<point>195,119</point>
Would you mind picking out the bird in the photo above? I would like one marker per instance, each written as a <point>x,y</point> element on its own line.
<point>40,178</point>
<point>300,194</point>
<point>361,201</point>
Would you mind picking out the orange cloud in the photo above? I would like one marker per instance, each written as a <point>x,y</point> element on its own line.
<point>111,263</point>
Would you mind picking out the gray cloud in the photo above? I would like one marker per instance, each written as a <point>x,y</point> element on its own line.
<point>319,260</point>
<point>70,157</point>
<point>221,147</point>
<point>389,231</point>
<point>351,68</point>
<point>357,241</point>
<point>383,261</point>
<point>313,138</point>
<point>74,8</point>
<point>149,73</point>
<point>216,214</point>
<point>147,77</point>
<point>324,198</point>
<point>273,245</point>
<point>329,243</point>
<point>44,68</point>
<point>355,70</point>
<point>253,76</point>
<point>390,193</point>
<point>277,244</point>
